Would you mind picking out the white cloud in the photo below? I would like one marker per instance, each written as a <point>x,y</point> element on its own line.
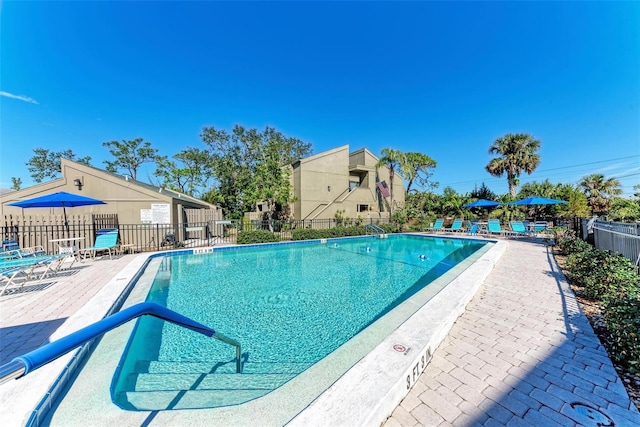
<point>18,97</point>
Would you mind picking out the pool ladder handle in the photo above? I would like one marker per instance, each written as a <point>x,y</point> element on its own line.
<point>28,362</point>
<point>376,229</point>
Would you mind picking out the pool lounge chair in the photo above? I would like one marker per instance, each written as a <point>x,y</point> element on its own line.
<point>540,227</point>
<point>12,246</point>
<point>472,228</point>
<point>106,240</point>
<point>11,268</point>
<point>455,226</point>
<point>437,226</point>
<point>494,228</point>
<point>518,229</point>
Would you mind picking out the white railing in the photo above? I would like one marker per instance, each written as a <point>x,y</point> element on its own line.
<point>618,237</point>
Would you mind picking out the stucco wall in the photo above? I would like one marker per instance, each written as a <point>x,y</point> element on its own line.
<point>125,198</point>
<point>321,185</point>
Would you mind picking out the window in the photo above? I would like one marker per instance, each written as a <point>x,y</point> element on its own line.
<point>363,208</point>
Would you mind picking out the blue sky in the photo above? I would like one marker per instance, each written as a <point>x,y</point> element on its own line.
<point>445,79</point>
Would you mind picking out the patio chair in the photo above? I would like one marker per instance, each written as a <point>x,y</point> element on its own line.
<point>106,240</point>
<point>472,228</point>
<point>493,226</point>
<point>10,268</point>
<point>12,246</point>
<point>540,227</point>
<point>455,226</point>
<point>518,228</point>
<point>437,226</point>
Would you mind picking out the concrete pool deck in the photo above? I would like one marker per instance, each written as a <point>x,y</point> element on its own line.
<point>521,354</point>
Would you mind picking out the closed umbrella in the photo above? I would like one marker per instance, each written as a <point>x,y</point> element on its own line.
<point>61,199</point>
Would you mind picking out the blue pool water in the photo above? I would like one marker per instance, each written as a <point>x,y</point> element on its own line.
<point>288,305</point>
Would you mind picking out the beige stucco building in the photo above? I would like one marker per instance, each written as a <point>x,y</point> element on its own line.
<point>337,180</point>
<point>134,202</point>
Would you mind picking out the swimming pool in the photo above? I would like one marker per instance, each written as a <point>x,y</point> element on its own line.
<point>289,306</point>
<point>357,384</point>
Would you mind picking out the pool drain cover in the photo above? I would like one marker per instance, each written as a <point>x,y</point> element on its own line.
<point>589,416</point>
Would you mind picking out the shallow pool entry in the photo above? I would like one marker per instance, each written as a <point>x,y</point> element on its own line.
<point>288,305</point>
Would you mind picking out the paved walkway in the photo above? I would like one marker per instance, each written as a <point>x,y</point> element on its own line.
<point>522,353</point>
<point>29,315</point>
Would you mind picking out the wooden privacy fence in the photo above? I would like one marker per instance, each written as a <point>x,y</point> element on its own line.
<point>617,237</point>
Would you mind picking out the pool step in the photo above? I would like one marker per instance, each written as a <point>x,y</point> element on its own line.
<point>172,382</point>
<point>155,385</point>
<point>192,399</point>
<point>161,367</point>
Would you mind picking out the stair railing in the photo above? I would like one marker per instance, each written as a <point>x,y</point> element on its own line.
<point>29,362</point>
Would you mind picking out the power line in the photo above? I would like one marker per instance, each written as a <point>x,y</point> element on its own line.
<point>552,169</point>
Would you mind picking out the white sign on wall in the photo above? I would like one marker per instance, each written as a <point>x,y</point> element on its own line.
<point>160,213</point>
<point>145,216</point>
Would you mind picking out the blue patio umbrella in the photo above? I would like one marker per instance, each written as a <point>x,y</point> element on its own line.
<point>482,203</point>
<point>535,200</point>
<point>58,200</point>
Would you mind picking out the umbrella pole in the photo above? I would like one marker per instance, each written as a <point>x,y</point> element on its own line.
<point>66,223</point>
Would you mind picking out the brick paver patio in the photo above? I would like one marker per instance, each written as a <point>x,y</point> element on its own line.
<point>522,354</point>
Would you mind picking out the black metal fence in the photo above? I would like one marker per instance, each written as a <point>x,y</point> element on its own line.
<point>157,237</point>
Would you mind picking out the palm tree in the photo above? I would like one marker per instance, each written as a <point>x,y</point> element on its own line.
<point>598,190</point>
<point>517,154</point>
<point>393,160</point>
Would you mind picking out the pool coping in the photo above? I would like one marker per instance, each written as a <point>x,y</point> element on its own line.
<point>40,388</point>
<point>367,394</point>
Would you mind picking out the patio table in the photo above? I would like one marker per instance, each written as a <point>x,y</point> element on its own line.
<point>67,245</point>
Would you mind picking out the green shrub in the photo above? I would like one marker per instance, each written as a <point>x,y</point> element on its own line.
<point>612,281</point>
<point>307,234</point>
<point>328,233</point>
<point>623,322</point>
<point>568,243</point>
<point>390,228</point>
<point>257,236</point>
<point>608,277</point>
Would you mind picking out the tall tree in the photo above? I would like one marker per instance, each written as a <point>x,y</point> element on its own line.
<point>483,193</point>
<point>552,191</point>
<point>453,202</point>
<point>189,172</point>
<point>130,155</point>
<point>599,190</point>
<point>242,155</point>
<point>624,210</point>
<point>417,168</point>
<point>517,154</point>
<point>576,202</point>
<point>46,163</point>
<point>271,184</point>
<point>16,183</point>
<point>393,160</point>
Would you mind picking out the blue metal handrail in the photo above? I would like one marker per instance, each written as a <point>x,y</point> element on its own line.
<point>22,365</point>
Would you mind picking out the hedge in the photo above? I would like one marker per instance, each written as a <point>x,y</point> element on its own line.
<point>257,236</point>
<point>613,282</point>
